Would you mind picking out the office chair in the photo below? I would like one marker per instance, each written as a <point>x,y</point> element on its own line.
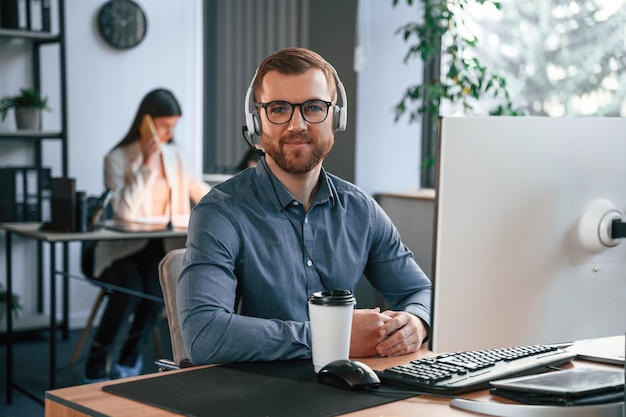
<point>86,264</point>
<point>87,261</point>
<point>170,268</point>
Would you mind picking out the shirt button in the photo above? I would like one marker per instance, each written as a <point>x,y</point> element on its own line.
<point>309,263</point>
<point>306,219</point>
<point>295,203</point>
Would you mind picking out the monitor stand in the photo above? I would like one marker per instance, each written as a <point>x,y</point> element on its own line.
<point>522,410</point>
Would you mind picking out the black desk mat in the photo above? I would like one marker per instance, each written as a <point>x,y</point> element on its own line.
<point>276,389</point>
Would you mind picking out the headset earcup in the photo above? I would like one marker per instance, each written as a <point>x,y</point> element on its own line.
<point>253,123</point>
<point>256,120</point>
<point>249,124</point>
<point>252,117</point>
<point>336,117</point>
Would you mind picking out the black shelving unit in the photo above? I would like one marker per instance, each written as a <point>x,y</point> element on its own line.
<point>37,40</point>
<point>34,41</point>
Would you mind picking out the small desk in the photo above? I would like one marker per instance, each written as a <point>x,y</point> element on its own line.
<point>90,400</point>
<point>33,231</point>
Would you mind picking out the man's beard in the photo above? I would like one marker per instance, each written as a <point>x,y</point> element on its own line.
<point>298,162</point>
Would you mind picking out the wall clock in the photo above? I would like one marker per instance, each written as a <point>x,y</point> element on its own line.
<point>122,23</point>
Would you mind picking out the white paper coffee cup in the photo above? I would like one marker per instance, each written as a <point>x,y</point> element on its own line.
<point>331,324</point>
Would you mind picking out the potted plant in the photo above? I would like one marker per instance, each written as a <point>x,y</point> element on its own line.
<point>464,80</point>
<point>15,304</point>
<point>28,105</point>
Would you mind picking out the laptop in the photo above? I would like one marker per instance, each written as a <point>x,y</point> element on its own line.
<point>125,226</point>
<point>148,224</point>
<point>605,350</point>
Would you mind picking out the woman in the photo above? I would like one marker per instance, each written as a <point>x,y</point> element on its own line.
<point>149,178</point>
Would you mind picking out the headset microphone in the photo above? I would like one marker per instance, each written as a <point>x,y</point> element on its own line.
<point>249,139</point>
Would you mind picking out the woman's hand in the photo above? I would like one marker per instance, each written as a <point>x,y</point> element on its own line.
<point>151,150</point>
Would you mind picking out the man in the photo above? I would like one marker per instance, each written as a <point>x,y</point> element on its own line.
<point>262,242</point>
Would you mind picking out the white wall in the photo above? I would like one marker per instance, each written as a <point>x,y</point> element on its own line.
<point>387,152</point>
<point>104,89</point>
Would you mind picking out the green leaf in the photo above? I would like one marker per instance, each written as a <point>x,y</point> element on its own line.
<point>466,80</point>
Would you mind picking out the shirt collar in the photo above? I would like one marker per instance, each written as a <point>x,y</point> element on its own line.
<point>273,187</point>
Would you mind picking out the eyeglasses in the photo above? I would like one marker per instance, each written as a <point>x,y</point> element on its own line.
<point>280,112</point>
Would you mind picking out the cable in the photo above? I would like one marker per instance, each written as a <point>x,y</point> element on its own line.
<point>618,229</point>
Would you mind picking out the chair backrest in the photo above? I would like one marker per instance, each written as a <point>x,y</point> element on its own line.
<point>170,268</point>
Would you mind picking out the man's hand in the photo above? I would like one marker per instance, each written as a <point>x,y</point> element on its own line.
<point>366,335</point>
<point>403,333</point>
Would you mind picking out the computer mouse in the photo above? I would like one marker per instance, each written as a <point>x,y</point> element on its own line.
<point>348,374</point>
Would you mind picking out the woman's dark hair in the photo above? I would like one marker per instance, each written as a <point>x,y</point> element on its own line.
<point>252,156</point>
<point>157,103</point>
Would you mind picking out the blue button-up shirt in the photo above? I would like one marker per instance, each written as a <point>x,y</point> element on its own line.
<point>254,256</point>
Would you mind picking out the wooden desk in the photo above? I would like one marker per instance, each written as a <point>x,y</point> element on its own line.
<point>90,400</point>
<point>33,231</point>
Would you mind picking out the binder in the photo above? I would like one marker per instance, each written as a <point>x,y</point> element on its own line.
<point>34,10</point>
<point>13,14</point>
<point>23,193</point>
<point>37,188</point>
<point>63,204</point>
<point>45,16</point>
<point>45,175</point>
<point>31,197</point>
<point>12,192</point>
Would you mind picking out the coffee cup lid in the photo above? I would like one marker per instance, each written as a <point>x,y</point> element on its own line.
<point>335,298</point>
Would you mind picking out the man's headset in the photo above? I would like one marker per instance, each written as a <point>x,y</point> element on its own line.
<point>253,122</point>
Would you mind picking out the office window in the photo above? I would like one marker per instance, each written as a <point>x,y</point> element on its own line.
<point>560,57</point>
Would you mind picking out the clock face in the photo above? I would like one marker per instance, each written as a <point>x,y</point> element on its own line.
<point>122,23</point>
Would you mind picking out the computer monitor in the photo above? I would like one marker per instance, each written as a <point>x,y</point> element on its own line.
<point>523,250</point>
